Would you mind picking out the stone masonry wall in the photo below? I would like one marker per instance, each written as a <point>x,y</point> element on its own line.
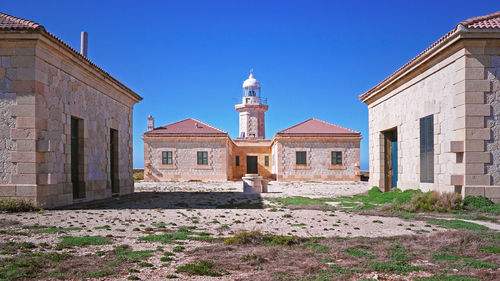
<point>184,167</point>
<point>318,161</point>
<point>431,92</point>
<point>493,122</point>
<point>41,87</point>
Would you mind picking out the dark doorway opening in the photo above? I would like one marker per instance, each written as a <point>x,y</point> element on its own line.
<point>390,159</point>
<point>77,165</point>
<point>113,161</point>
<point>252,165</point>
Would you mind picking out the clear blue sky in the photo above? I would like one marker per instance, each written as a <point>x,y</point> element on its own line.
<point>189,58</point>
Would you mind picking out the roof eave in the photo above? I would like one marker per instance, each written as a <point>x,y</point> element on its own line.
<point>460,32</point>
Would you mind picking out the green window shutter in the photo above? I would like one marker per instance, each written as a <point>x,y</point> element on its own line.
<point>202,157</point>
<point>300,158</point>
<point>166,157</point>
<point>266,161</point>
<point>237,159</point>
<point>336,157</point>
<point>427,149</point>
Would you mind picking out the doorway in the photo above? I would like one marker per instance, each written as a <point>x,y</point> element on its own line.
<point>77,165</point>
<point>113,161</point>
<point>252,165</point>
<point>390,159</point>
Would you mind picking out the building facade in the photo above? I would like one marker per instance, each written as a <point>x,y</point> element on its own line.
<point>435,123</point>
<point>65,124</point>
<point>192,150</point>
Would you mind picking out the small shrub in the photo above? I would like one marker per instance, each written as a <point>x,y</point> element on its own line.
<point>256,237</point>
<point>458,224</point>
<point>171,276</point>
<point>477,201</point>
<point>434,201</point>
<point>203,267</point>
<point>69,241</point>
<point>16,205</point>
<point>138,176</point>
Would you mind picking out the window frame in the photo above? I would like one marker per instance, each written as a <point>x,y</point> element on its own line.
<point>338,156</point>
<point>266,160</point>
<point>202,157</point>
<point>427,149</point>
<point>165,159</point>
<point>237,160</point>
<point>301,157</point>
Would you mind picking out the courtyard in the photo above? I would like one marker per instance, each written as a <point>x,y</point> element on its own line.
<point>214,231</point>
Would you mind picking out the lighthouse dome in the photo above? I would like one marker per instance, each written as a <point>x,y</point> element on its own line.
<point>251,82</point>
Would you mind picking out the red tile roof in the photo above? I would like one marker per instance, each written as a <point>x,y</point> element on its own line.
<point>314,126</point>
<point>188,126</point>
<point>490,21</point>
<point>10,23</point>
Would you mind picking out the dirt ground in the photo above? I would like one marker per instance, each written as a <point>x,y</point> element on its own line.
<point>219,210</point>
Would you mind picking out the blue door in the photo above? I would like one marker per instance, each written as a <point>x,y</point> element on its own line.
<point>394,164</point>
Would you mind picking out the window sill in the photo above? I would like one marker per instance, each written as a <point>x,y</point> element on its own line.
<point>203,167</point>
<point>302,167</point>
<point>167,167</point>
<point>336,167</point>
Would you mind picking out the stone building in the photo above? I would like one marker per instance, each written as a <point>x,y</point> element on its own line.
<point>65,124</point>
<point>192,150</point>
<point>435,123</point>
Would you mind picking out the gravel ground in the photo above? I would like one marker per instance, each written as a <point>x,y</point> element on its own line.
<point>192,204</point>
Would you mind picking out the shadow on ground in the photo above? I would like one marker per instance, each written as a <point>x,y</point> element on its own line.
<point>176,200</point>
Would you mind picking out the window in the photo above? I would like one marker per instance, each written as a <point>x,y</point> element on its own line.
<point>427,149</point>
<point>300,158</point>
<point>336,157</point>
<point>266,161</point>
<point>166,157</point>
<point>237,160</point>
<point>202,157</point>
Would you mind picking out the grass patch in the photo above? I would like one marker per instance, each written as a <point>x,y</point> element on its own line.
<point>29,266</point>
<point>399,262</point>
<point>70,241</point>
<point>447,278</point>
<point>203,267</point>
<point>16,205</point>
<point>54,230</point>
<point>124,252</point>
<point>258,238</point>
<point>457,224</point>
<point>182,233</point>
<point>463,261</point>
<point>359,253</point>
<point>491,249</point>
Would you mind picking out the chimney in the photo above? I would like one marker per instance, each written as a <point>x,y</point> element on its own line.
<point>151,123</point>
<point>84,44</point>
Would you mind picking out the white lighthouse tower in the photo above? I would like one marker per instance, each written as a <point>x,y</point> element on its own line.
<point>252,109</point>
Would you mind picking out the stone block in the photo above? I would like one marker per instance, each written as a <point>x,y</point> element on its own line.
<point>477,180</point>
<point>7,190</point>
<point>26,145</point>
<point>477,134</point>
<point>22,61</point>
<point>44,146</point>
<point>22,111</point>
<point>23,179</point>
<point>474,73</point>
<point>26,168</point>
<point>26,191</point>
<point>47,179</point>
<point>492,192</point>
<point>22,86</point>
<point>22,134</point>
<point>474,145</point>
<point>26,99</point>
<point>474,122</point>
<point>457,179</point>
<point>473,191</point>
<point>477,85</point>
<point>456,146</point>
<point>477,110</point>
<point>17,156</point>
<point>476,157</point>
<point>474,97</point>
<point>25,122</point>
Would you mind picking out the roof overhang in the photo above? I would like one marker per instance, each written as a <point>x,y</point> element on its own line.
<point>451,38</point>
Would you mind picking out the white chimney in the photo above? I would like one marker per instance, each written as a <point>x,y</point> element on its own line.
<point>151,123</point>
<point>84,43</point>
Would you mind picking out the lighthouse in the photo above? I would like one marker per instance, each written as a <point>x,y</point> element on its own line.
<point>251,110</point>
